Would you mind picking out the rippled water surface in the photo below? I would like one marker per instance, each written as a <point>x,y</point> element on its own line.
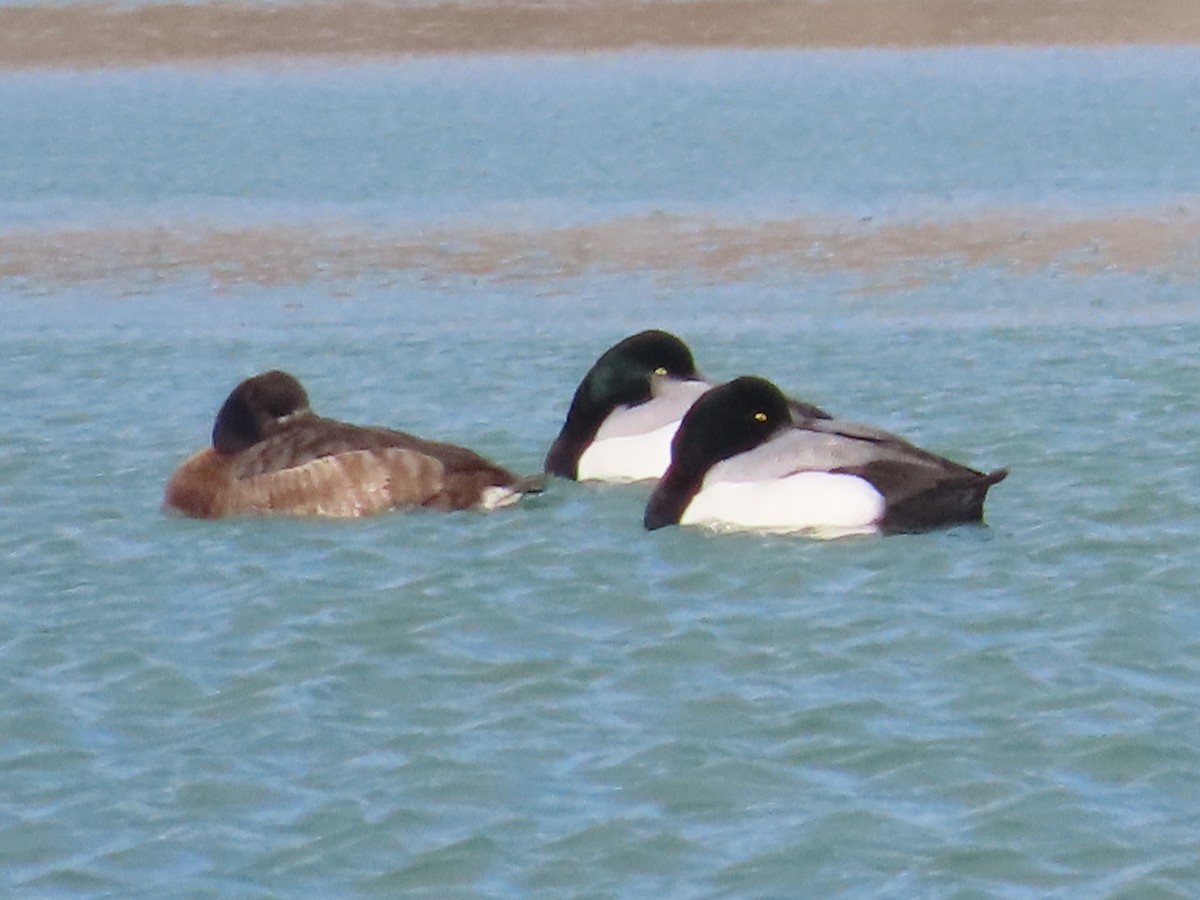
<point>760,133</point>
<point>548,701</point>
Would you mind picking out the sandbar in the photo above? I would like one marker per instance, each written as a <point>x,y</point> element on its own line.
<point>883,254</point>
<point>91,34</point>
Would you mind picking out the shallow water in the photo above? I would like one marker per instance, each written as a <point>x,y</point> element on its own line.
<point>549,701</point>
<point>563,137</point>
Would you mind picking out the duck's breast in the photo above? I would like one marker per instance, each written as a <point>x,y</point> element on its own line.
<point>199,487</point>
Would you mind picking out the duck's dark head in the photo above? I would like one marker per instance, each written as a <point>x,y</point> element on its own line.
<point>730,419</point>
<point>622,376</point>
<point>256,409</point>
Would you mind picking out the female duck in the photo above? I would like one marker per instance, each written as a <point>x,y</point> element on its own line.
<point>741,461</point>
<point>626,410</point>
<point>271,454</point>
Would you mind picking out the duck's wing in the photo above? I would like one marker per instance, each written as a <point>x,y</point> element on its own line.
<point>345,485</point>
<point>805,412</point>
<point>921,489</point>
<point>806,449</point>
<point>885,444</point>
<point>831,445</point>
<point>318,438</point>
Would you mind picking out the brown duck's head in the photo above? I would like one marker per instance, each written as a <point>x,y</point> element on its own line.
<point>256,409</point>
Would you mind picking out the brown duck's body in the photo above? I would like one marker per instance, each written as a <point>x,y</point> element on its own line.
<point>289,461</point>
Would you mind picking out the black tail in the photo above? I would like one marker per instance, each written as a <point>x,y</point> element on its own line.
<point>956,501</point>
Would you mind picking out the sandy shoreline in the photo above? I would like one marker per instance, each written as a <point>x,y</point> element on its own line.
<point>88,35</point>
<point>1165,242</point>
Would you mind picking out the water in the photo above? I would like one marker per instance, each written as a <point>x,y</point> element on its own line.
<point>754,133</point>
<point>549,701</point>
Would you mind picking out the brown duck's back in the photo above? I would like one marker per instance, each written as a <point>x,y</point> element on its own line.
<point>345,485</point>
<point>315,437</point>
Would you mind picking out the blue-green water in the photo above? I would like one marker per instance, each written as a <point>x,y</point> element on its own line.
<point>549,701</point>
<point>576,137</point>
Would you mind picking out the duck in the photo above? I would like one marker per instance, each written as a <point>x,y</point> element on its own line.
<point>741,461</point>
<point>627,408</point>
<point>272,455</point>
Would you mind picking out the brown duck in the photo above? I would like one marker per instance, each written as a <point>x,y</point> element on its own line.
<point>271,455</point>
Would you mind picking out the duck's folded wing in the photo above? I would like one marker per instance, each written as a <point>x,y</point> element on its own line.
<point>887,446</point>
<point>860,432</point>
<point>803,412</point>
<point>319,438</point>
<point>810,449</point>
<point>346,485</point>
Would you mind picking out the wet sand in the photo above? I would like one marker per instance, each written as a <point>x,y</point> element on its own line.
<point>91,35</point>
<point>87,35</point>
<point>885,255</point>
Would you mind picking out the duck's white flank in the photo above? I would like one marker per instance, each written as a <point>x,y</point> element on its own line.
<point>824,502</point>
<point>634,442</point>
<point>635,457</point>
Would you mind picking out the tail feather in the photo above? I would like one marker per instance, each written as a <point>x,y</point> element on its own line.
<point>953,502</point>
<point>500,495</point>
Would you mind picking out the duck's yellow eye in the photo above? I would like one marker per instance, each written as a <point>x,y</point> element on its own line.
<point>760,416</point>
<point>661,370</point>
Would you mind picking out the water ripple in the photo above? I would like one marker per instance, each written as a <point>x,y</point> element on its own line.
<point>550,700</point>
